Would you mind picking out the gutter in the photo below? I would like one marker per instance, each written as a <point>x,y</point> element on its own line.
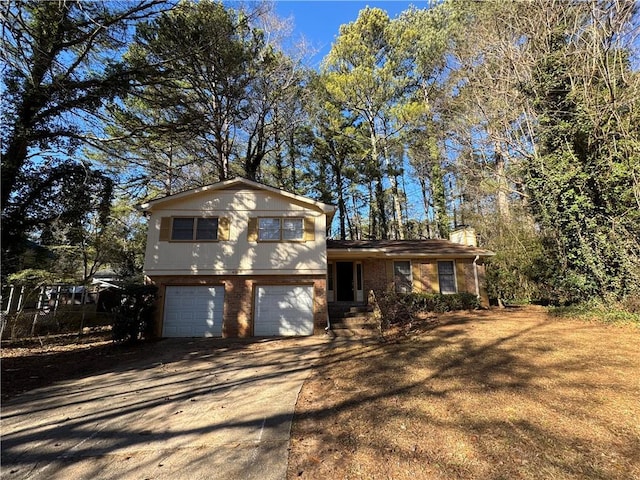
<point>354,253</point>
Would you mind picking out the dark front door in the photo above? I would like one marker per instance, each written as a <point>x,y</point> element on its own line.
<point>344,281</point>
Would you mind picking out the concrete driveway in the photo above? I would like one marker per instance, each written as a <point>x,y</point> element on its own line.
<point>199,409</point>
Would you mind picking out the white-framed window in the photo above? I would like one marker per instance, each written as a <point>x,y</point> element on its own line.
<point>194,228</point>
<point>447,276</point>
<point>402,276</point>
<point>276,229</point>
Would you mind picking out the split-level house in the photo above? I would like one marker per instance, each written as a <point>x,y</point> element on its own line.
<point>241,259</point>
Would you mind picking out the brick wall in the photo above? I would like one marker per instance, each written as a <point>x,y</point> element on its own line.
<point>375,276</point>
<point>425,276</point>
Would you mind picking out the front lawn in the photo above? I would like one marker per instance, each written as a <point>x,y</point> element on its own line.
<point>500,394</point>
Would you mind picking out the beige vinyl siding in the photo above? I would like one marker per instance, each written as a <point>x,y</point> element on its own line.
<point>238,252</point>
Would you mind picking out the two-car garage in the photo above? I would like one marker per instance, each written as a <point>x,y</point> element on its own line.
<point>278,310</point>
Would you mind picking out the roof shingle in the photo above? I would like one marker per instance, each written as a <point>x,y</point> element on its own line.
<point>408,247</point>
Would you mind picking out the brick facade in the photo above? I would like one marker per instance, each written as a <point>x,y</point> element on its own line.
<point>374,275</point>
<point>378,276</point>
<point>239,298</point>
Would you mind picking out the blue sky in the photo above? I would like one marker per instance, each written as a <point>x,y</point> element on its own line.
<point>319,20</point>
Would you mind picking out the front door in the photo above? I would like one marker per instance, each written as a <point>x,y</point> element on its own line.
<point>344,281</point>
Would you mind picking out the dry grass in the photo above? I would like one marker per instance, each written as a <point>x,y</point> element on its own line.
<point>485,395</point>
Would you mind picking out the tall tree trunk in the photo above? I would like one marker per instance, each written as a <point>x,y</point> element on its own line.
<point>502,198</point>
<point>439,200</point>
<point>383,226</point>
<point>397,208</point>
<point>168,180</point>
<point>502,188</point>
<point>342,209</point>
<point>381,215</point>
<point>292,160</point>
<point>45,49</point>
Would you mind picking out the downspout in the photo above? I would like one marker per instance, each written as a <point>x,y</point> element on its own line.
<point>475,275</point>
<point>327,329</point>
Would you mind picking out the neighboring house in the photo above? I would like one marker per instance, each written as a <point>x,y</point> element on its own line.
<point>241,259</point>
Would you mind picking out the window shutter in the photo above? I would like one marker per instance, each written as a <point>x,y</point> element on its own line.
<point>460,276</point>
<point>418,286</point>
<point>309,229</point>
<point>252,234</point>
<point>389,270</point>
<point>432,268</point>
<point>223,228</point>
<point>165,229</point>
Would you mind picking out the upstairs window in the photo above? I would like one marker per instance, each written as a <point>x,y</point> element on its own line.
<point>277,229</point>
<point>193,228</point>
<point>447,277</point>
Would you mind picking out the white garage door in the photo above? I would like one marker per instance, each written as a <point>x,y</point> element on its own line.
<point>283,310</point>
<point>193,312</point>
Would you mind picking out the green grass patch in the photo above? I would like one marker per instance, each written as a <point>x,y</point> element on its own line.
<point>616,314</point>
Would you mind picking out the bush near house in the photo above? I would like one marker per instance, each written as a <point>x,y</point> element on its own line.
<point>436,302</point>
<point>133,319</point>
<point>397,308</point>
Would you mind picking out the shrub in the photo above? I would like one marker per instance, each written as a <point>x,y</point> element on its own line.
<point>435,302</point>
<point>401,308</point>
<point>134,316</point>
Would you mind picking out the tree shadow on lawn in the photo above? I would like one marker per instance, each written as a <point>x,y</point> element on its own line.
<point>488,398</point>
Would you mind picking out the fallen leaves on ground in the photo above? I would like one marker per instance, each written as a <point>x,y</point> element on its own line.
<point>499,394</point>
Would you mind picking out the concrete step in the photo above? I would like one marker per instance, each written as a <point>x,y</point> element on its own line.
<point>353,322</point>
<point>355,314</point>
<point>361,322</point>
<point>361,325</point>
<point>347,311</point>
<point>361,308</point>
<point>344,306</point>
<point>354,333</point>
